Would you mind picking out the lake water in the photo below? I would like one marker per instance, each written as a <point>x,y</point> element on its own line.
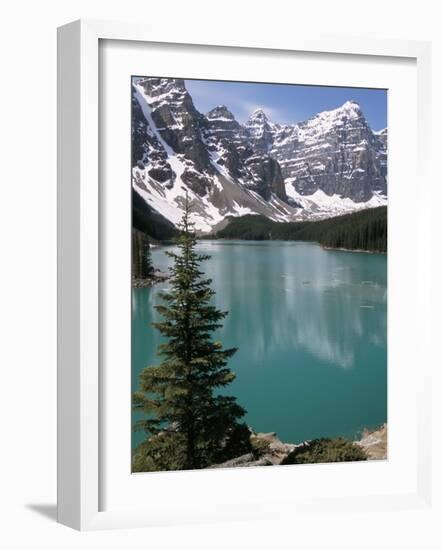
<point>311,328</point>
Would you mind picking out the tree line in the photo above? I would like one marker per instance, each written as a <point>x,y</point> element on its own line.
<point>363,230</point>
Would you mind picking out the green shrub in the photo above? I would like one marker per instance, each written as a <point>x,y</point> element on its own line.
<point>167,450</point>
<point>326,450</point>
<point>164,451</point>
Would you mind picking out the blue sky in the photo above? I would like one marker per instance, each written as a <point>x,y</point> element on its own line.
<point>286,103</point>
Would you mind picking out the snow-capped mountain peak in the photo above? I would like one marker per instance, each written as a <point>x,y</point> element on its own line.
<point>351,105</point>
<point>259,119</point>
<point>258,114</point>
<point>221,112</point>
<point>260,130</point>
<point>329,164</point>
<point>326,120</point>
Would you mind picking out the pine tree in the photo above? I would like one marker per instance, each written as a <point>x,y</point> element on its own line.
<point>142,267</point>
<point>189,424</point>
<point>147,269</point>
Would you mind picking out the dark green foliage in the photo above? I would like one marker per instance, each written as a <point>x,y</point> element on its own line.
<point>188,424</point>
<point>142,267</point>
<point>237,444</point>
<point>364,230</point>
<point>146,260</point>
<point>326,450</point>
<point>165,451</point>
<point>145,219</point>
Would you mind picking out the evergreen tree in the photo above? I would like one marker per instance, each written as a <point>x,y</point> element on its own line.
<point>189,424</point>
<point>142,267</point>
<point>147,268</point>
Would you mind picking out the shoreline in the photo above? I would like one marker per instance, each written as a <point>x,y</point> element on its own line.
<point>374,442</point>
<point>358,250</point>
<point>158,277</point>
<point>328,248</point>
<point>204,238</point>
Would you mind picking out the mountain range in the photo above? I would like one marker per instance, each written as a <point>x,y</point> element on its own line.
<point>331,164</point>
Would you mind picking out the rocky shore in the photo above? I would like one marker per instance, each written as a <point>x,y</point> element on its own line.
<point>157,277</point>
<point>269,450</point>
<point>375,443</point>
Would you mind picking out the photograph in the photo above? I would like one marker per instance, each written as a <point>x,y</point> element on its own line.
<point>259,273</point>
<point>221,281</point>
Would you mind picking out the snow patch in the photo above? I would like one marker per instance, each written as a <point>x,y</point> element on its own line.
<point>322,205</point>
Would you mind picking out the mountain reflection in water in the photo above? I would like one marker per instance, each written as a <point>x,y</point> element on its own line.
<point>298,314</point>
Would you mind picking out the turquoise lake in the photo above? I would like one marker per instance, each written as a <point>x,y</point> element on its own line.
<point>311,328</point>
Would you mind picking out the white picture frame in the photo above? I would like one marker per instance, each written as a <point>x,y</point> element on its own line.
<point>80,293</point>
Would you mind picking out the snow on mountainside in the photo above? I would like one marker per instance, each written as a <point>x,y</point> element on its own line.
<point>336,152</point>
<point>328,165</point>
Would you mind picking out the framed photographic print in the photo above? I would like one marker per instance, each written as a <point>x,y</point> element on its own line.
<point>234,256</point>
<point>246,202</point>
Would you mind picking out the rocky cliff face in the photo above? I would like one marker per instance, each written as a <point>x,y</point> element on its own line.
<point>260,131</point>
<point>285,172</point>
<point>171,115</point>
<point>375,443</point>
<point>336,152</point>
